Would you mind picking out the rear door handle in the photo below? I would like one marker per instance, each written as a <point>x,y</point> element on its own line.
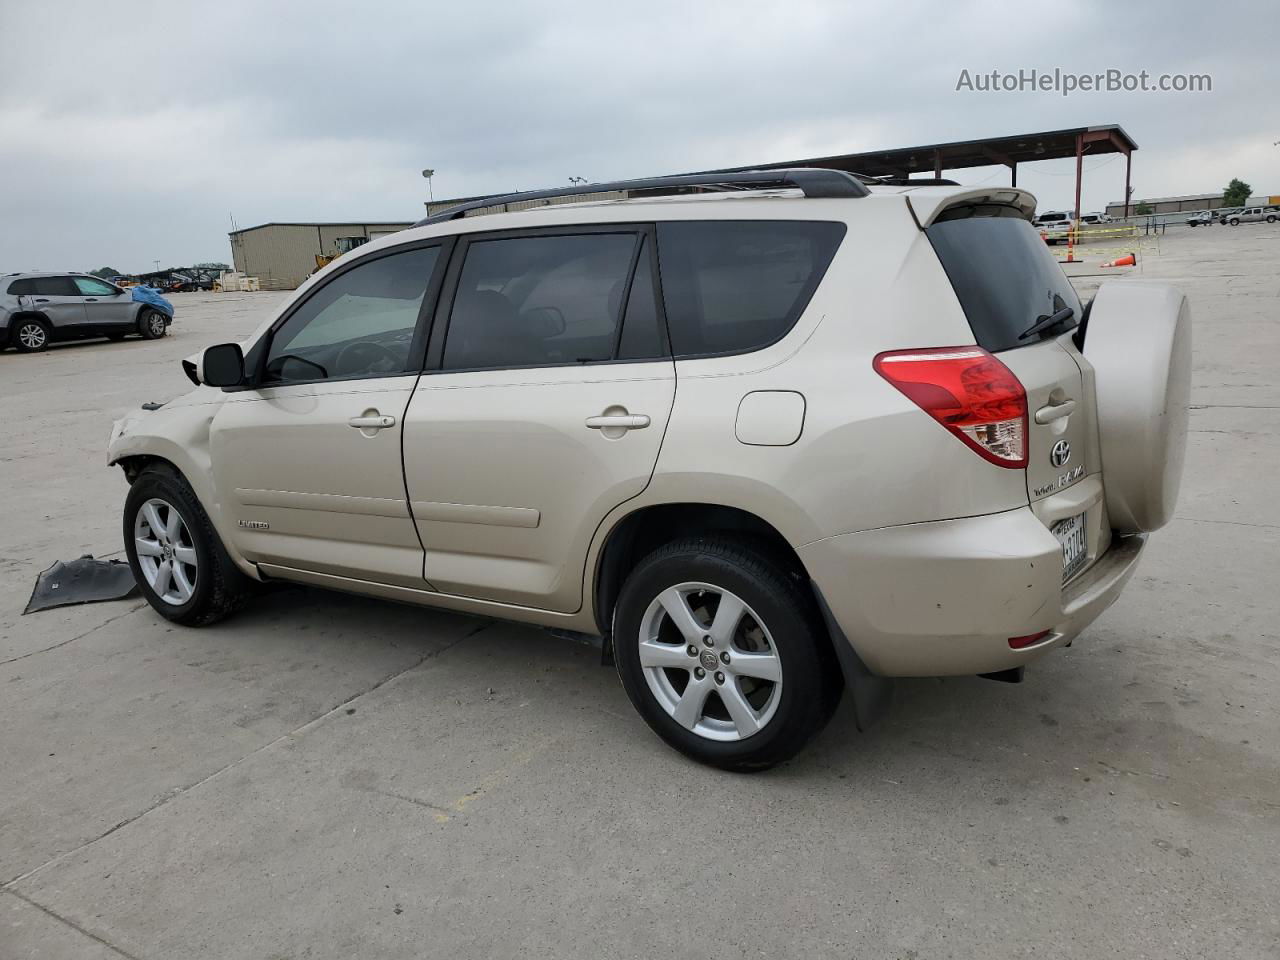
<point>627,421</point>
<point>1055,411</point>
<point>378,422</point>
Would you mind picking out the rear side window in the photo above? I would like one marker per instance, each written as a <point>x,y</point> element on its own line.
<point>539,301</point>
<point>1002,272</point>
<point>734,286</point>
<point>22,288</point>
<point>55,287</point>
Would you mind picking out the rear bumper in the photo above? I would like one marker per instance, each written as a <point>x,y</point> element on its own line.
<point>943,598</point>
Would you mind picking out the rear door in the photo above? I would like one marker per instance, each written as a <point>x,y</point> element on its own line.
<point>547,391</point>
<point>1007,282</point>
<point>59,299</point>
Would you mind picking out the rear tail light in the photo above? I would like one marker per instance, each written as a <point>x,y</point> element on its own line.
<point>969,392</point>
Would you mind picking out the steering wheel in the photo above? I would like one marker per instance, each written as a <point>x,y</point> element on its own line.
<point>365,356</point>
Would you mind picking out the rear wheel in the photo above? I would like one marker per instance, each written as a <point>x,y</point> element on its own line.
<point>177,559</point>
<point>152,324</point>
<point>31,335</point>
<point>723,653</point>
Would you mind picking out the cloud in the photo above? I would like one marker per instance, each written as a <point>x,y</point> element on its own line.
<point>152,125</point>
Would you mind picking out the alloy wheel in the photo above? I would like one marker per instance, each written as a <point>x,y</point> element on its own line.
<point>166,552</point>
<point>710,662</point>
<point>157,324</point>
<point>32,336</point>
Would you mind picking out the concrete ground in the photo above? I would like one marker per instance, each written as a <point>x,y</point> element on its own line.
<point>324,776</point>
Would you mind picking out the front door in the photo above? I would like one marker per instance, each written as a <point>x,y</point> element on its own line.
<point>541,409</point>
<point>105,305</point>
<point>307,462</point>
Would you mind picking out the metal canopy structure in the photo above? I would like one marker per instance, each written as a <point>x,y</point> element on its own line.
<point>931,159</point>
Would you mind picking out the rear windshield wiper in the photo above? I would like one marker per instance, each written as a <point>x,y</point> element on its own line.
<point>1044,323</point>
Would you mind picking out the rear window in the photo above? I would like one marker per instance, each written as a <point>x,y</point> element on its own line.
<point>1052,217</point>
<point>739,285</point>
<point>1002,272</point>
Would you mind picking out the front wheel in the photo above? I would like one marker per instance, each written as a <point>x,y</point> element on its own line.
<point>1271,219</point>
<point>179,563</point>
<point>1234,221</point>
<point>153,324</point>
<point>723,653</point>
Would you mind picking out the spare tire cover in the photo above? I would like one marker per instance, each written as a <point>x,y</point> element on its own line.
<point>1138,341</point>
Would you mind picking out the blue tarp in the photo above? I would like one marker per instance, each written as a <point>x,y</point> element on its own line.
<point>151,296</point>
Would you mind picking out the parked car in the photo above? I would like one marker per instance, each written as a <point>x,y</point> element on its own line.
<point>1094,219</point>
<point>1202,219</point>
<point>1224,214</point>
<point>1253,215</point>
<point>885,457</point>
<point>37,309</point>
<point>1055,226</point>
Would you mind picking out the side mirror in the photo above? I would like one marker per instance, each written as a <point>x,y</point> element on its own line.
<point>222,365</point>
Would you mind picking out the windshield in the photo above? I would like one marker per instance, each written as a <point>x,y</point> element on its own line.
<point>1003,274</point>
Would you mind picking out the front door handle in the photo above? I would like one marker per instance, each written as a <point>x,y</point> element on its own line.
<point>1055,411</point>
<point>378,421</point>
<point>622,421</point>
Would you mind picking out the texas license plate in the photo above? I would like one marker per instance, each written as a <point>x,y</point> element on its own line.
<point>1070,534</point>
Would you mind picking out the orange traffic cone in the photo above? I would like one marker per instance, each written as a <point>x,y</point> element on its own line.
<point>1126,261</point>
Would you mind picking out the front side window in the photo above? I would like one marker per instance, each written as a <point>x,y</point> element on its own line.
<point>539,301</point>
<point>736,285</point>
<point>90,287</point>
<point>360,324</point>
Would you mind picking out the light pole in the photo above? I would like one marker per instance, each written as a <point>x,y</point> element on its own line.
<point>578,180</point>
<point>429,173</point>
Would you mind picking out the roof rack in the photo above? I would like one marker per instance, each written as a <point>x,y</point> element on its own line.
<point>911,182</point>
<point>812,182</point>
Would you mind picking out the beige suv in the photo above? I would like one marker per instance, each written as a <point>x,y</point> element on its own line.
<point>771,434</point>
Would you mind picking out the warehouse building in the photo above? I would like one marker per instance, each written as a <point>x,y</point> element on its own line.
<point>282,255</point>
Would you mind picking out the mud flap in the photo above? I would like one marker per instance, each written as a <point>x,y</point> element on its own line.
<point>871,694</point>
<point>85,580</point>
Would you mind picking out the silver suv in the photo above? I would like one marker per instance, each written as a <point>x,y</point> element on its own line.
<point>37,309</point>
<point>772,435</point>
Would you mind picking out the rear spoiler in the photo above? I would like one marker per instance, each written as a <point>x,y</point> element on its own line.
<point>928,202</point>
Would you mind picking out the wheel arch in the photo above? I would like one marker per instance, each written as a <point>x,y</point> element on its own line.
<point>18,316</point>
<point>640,532</point>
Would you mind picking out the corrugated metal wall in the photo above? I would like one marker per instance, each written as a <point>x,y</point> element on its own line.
<point>283,255</point>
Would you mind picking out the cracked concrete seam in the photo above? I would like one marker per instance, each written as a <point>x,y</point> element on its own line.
<point>62,643</point>
<point>10,884</point>
<point>70,923</point>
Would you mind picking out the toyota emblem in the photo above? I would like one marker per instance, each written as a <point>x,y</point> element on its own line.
<point>1060,453</point>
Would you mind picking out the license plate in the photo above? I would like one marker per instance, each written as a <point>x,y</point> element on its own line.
<point>1070,534</point>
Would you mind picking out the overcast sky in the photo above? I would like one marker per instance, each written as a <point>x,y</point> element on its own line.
<point>133,132</point>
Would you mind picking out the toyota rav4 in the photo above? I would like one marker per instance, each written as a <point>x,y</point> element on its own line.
<point>772,435</point>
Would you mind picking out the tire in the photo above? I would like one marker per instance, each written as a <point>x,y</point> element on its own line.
<point>207,586</point>
<point>31,335</point>
<point>778,627</point>
<point>152,324</point>
<point>1234,221</point>
<point>1271,219</point>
